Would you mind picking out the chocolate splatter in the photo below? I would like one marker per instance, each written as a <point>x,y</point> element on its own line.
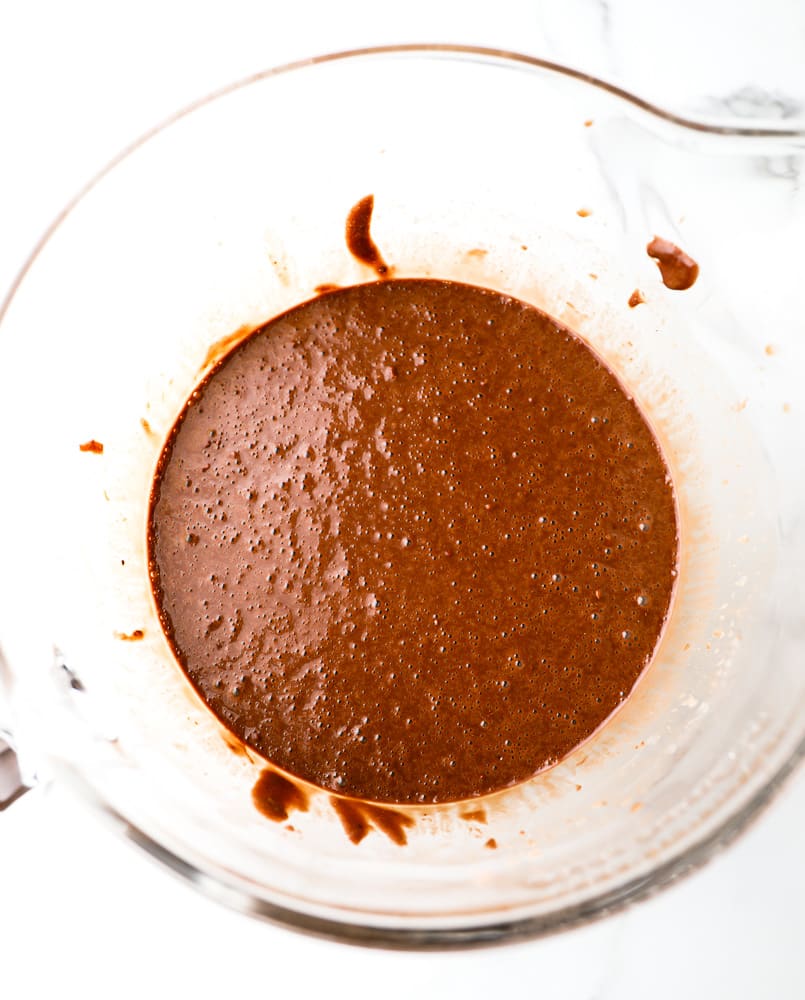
<point>678,270</point>
<point>134,636</point>
<point>275,796</point>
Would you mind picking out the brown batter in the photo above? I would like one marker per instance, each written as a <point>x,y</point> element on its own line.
<point>678,270</point>
<point>412,541</point>
<point>359,237</point>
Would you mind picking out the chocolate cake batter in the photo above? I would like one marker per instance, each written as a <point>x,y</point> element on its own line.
<point>412,541</point>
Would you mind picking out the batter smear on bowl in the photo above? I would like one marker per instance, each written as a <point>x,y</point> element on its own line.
<point>412,541</point>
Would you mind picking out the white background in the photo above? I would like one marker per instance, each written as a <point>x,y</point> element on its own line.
<point>81,913</point>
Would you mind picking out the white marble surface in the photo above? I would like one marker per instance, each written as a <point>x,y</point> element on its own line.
<point>82,914</point>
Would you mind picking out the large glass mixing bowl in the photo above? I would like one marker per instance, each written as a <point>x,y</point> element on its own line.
<point>480,163</point>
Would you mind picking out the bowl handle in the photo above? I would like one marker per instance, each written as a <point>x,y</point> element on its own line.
<point>12,785</point>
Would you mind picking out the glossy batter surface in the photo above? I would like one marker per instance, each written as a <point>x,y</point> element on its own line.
<point>412,541</point>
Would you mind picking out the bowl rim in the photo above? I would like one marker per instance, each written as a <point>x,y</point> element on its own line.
<point>767,130</point>
<point>224,889</point>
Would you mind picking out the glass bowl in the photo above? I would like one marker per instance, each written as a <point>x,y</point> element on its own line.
<point>490,168</point>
